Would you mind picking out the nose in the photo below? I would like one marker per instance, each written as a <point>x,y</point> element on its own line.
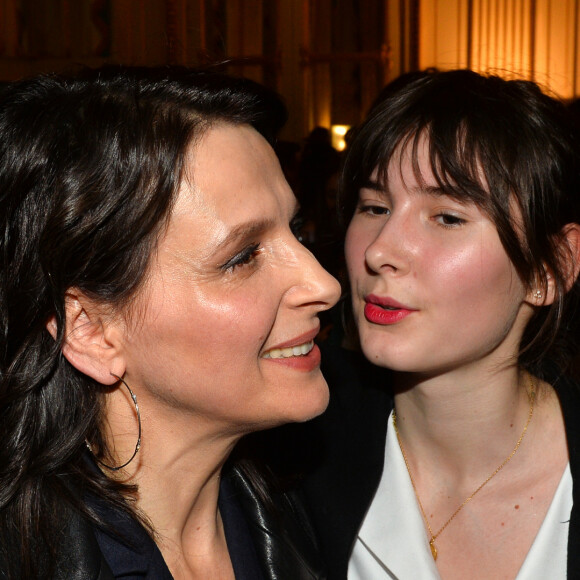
<point>313,285</point>
<point>391,249</point>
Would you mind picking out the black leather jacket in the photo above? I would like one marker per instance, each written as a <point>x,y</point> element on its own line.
<point>283,540</point>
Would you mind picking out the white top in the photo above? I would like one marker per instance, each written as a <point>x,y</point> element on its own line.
<point>392,542</point>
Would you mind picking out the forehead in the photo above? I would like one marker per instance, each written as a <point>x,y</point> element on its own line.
<point>232,170</point>
<point>418,164</point>
<point>232,187</point>
<point>409,164</point>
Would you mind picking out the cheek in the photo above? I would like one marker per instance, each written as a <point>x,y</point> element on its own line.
<point>355,245</point>
<point>234,322</point>
<point>477,275</point>
<point>215,323</point>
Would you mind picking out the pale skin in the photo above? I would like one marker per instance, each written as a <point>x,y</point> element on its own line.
<point>461,401</point>
<point>228,283</point>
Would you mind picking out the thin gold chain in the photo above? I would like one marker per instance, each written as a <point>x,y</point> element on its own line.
<point>434,536</point>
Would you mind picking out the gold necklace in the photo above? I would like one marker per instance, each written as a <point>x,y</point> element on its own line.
<point>434,536</point>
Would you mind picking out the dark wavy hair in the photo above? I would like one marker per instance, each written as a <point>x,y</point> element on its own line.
<point>492,142</point>
<point>90,165</point>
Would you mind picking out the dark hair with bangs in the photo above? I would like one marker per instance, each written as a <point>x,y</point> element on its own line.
<point>90,165</point>
<point>496,143</point>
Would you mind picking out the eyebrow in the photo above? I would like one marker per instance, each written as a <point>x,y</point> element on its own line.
<point>373,185</point>
<point>252,228</point>
<point>432,190</point>
<point>246,230</point>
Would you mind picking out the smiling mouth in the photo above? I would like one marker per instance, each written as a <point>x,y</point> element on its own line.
<point>298,350</point>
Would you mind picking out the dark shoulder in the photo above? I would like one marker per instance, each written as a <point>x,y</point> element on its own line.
<point>568,391</point>
<point>281,531</point>
<point>79,556</point>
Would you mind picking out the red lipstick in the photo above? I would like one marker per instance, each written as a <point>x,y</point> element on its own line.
<point>385,311</point>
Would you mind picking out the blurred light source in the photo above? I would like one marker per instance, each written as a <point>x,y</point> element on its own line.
<point>338,132</point>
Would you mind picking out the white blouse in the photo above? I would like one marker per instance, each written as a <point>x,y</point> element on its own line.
<point>392,542</point>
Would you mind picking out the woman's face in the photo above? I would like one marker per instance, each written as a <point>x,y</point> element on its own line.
<point>224,327</point>
<point>433,289</point>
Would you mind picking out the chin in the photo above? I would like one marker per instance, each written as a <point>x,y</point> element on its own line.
<point>314,413</point>
<point>380,354</point>
<point>309,404</point>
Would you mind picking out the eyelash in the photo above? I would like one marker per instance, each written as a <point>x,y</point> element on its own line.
<point>373,210</point>
<point>247,256</point>
<point>296,225</point>
<point>446,220</point>
<point>244,258</point>
<point>449,220</point>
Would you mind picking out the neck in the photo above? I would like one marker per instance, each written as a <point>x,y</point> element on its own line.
<point>461,422</point>
<point>177,471</point>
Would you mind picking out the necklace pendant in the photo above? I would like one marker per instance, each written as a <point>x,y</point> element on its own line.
<point>433,548</point>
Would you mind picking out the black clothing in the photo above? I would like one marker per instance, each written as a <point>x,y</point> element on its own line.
<point>263,544</point>
<point>139,557</point>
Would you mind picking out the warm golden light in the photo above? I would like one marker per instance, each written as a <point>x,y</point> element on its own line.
<point>338,132</point>
<point>528,39</point>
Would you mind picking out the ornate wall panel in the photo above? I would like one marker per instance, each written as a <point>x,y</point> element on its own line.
<point>532,39</point>
<point>9,29</point>
<point>328,58</point>
<point>350,50</point>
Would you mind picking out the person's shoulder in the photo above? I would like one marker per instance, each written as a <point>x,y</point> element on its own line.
<point>282,533</point>
<point>80,557</point>
<point>568,390</point>
<point>77,556</point>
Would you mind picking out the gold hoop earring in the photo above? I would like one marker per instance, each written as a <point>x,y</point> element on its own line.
<point>137,446</point>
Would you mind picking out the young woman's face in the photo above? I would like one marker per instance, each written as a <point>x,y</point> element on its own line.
<point>224,328</point>
<point>433,289</point>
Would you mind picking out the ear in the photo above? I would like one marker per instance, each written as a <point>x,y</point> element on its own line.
<point>92,342</point>
<point>542,294</point>
<point>570,267</point>
<point>571,253</point>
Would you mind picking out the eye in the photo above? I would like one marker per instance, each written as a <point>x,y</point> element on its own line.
<point>296,225</point>
<point>373,209</point>
<point>244,258</point>
<point>449,220</point>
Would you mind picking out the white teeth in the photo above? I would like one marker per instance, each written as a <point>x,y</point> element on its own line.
<point>300,350</point>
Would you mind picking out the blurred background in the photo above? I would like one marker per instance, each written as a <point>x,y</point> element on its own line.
<point>328,58</point>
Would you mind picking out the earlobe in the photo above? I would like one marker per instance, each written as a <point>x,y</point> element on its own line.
<point>52,327</point>
<point>91,342</point>
<point>543,292</point>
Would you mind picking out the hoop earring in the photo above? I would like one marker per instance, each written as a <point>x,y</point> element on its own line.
<point>137,446</point>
